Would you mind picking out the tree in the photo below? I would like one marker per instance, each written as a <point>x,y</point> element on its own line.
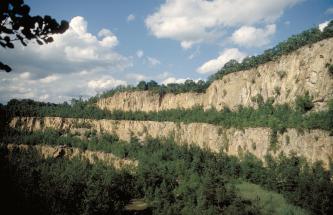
<point>152,84</point>
<point>142,85</point>
<point>17,25</point>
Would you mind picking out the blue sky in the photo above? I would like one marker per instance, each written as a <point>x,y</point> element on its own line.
<point>164,40</point>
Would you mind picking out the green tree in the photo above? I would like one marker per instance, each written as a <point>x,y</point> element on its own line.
<point>142,85</point>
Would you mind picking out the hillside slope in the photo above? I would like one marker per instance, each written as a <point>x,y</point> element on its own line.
<point>292,75</point>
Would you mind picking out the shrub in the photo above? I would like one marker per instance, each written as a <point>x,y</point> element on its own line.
<point>304,103</point>
<point>330,69</point>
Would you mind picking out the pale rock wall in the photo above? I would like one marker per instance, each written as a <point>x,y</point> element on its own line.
<point>48,151</point>
<point>314,145</point>
<point>286,78</point>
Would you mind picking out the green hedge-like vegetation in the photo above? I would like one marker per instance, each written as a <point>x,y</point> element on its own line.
<point>278,117</point>
<point>173,179</point>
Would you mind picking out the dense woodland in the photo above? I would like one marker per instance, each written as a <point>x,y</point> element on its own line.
<point>173,179</point>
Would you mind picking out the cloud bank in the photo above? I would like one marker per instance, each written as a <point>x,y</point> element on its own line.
<point>77,63</point>
<point>195,21</point>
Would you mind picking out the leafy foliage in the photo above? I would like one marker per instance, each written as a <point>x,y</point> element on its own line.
<point>152,86</point>
<point>304,103</point>
<point>17,24</point>
<point>173,179</point>
<point>59,186</point>
<point>74,187</point>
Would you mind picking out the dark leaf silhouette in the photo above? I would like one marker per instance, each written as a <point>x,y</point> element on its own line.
<point>17,25</point>
<point>5,67</point>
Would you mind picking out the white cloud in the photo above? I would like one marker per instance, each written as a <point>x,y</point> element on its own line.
<point>49,79</point>
<point>105,83</point>
<point>57,88</point>
<point>25,75</point>
<point>130,17</point>
<point>153,61</point>
<point>323,25</point>
<point>171,80</point>
<point>188,44</point>
<point>108,38</point>
<point>139,53</point>
<point>65,68</point>
<point>216,64</point>
<point>249,36</point>
<point>329,10</point>
<point>195,21</point>
<point>80,54</point>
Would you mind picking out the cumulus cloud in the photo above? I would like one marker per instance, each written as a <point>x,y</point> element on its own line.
<point>65,68</point>
<point>172,80</point>
<point>249,36</point>
<point>195,21</point>
<point>49,79</point>
<point>108,38</point>
<point>323,25</point>
<point>130,18</point>
<point>56,88</point>
<point>162,78</point>
<point>139,53</point>
<point>216,64</point>
<point>105,83</point>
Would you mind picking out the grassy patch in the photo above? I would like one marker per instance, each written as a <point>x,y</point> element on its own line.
<point>268,201</point>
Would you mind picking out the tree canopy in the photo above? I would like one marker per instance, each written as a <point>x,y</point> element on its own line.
<point>17,25</point>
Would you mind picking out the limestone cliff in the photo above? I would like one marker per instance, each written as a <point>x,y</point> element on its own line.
<point>286,78</point>
<point>314,145</point>
<point>69,153</point>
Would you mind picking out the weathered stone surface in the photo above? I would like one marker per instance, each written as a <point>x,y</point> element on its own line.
<point>314,145</point>
<point>284,79</point>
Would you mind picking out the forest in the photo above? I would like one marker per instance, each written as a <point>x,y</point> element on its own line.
<point>172,179</point>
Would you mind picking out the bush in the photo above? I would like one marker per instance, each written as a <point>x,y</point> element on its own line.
<point>330,69</point>
<point>304,103</point>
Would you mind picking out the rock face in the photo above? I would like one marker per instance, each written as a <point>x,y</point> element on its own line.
<point>292,75</point>
<point>70,153</point>
<point>314,145</point>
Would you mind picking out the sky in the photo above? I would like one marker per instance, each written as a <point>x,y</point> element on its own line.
<point>121,42</point>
